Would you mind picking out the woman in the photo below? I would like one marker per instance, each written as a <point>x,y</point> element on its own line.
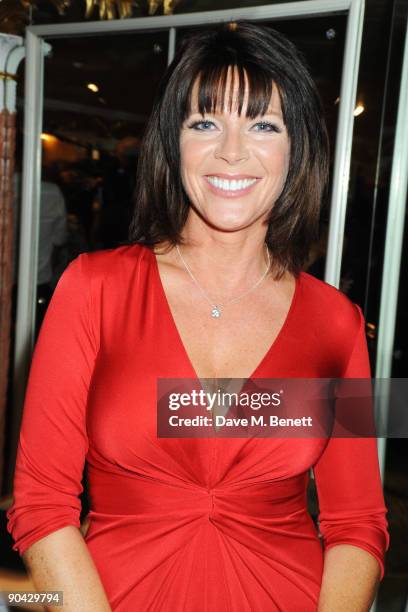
<point>232,171</point>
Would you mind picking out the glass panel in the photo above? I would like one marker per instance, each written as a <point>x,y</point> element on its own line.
<point>98,96</point>
<point>378,92</point>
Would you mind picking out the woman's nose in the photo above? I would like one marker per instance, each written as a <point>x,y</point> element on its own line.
<point>232,147</point>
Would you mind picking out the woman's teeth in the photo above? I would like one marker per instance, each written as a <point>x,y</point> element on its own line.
<point>233,185</point>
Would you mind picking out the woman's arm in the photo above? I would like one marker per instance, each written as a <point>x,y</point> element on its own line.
<point>350,580</point>
<point>61,562</point>
<point>44,518</point>
<point>352,512</point>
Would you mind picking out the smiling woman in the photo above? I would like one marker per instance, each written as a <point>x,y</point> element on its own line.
<point>232,173</point>
<point>222,84</point>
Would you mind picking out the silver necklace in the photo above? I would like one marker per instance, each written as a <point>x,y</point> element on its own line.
<point>216,310</point>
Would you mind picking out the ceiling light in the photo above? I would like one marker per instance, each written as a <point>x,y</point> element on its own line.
<point>359,110</point>
<point>93,87</point>
<point>47,137</point>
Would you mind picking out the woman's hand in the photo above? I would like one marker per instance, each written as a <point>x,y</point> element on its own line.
<point>350,580</point>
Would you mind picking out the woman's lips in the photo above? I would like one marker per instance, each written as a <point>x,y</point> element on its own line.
<point>231,187</point>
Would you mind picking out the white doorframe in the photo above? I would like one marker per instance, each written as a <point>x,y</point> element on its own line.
<point>36,49</point>
<point>26,303</point>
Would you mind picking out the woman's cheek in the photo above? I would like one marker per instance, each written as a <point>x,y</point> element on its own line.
<point>276,161</point>
<point>187,178</point>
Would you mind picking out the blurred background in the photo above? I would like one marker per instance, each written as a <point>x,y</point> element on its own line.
<point>98,92</point>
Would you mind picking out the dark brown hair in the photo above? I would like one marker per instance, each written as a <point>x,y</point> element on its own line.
<point>265,57</point>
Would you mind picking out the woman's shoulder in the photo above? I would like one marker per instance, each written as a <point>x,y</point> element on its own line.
<point>326,304</point>
<point>113,262</point>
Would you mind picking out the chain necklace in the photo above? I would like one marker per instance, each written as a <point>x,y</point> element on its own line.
<point>216,310</point>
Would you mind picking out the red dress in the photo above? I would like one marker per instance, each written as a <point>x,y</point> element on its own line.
<point>186,524</point>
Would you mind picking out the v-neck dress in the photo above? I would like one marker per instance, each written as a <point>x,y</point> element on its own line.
<point>186,524</point>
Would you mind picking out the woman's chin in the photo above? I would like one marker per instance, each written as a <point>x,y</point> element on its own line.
<point>228,224</point>
<point>225,220</point>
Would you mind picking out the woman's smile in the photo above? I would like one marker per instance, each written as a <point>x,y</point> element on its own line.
<point>231,185</point>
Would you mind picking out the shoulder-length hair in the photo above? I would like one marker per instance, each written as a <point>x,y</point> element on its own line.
<point>264,56</point>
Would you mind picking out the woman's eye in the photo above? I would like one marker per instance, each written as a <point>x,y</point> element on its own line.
<point>202,126</point>
<point>266,126</point>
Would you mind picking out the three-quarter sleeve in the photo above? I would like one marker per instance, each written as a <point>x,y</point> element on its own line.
<point>53,439</point>
<point>348,480</point>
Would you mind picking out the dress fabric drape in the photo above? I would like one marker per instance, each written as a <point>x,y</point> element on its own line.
<point>186,524</point>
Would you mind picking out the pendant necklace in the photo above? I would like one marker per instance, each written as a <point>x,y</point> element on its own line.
<point>216,309</point>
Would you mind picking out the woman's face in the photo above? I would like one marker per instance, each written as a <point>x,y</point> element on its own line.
<point>234,168</point>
